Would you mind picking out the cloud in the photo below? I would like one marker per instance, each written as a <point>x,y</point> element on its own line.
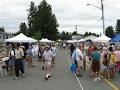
<point>68,13</point>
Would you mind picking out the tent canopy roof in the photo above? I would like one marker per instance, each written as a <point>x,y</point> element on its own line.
<point>116,38</point>
<point>102,38</point>
<point>45,40</point>
<point>91,37</point>
<point>20,38</point>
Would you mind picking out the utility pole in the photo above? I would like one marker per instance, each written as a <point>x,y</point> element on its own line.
<point>103,17</point>
<point>76,30</point>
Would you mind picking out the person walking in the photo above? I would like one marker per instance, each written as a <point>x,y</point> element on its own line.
<point>48,56</point>
<point>95,57</point>
<point>72,48</point>
<point>55,52</point>
<point>112,63</point>
<point>78,59</point>
<point>19,55</point>
<point>29,57</point>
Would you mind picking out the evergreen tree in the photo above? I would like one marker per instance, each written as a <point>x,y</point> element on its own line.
<point>23,28</point>
<point>2,29</point>
<point>109,31</point>
<point>74,33</point>
<point>46,21</point>
<point>118,26</point>
<point>65,36</point>
<point>31,18</point>
<point>86,34</point>
<point>42,20</point>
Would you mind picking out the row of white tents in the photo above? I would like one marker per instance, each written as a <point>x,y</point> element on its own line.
<point>23,38</point>
<point>102,39</point>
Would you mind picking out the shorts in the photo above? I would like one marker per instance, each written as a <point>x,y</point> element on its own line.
<point>48,63</point>
<point>11,61</point>
<point>105,68</point>
<point>95,66</point>
<point>111,67</point>
<point>80,63</point>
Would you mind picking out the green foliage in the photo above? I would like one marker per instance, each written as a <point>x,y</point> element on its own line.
<point>31,18</point>
<point>89,33</point>
<point>2,29</point>
<point>118,26</point>
<point>74,33</point>
<point>1,45</point>
<point>37,36</point>
<point>109,31</point>
<point>23,28</point>
<point>41,19</point>
<point>65,36</point>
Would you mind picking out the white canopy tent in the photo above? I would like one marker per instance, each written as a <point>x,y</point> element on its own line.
<point>45,40</point>
<point>81,40</point>
<point>71,41</point>
<point>21,38</point>
<point>91,37</point>
<point>102,38</point>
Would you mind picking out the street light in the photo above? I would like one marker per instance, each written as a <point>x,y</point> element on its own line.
<point>103,18</point>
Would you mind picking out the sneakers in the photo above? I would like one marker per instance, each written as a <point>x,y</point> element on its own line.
<point>78,75</point>
<point>23,75</point>
<point>47,76</point>
<point>97,79</point>
<point>16,78</point>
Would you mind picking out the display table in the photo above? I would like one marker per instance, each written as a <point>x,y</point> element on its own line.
<point>2,61</point>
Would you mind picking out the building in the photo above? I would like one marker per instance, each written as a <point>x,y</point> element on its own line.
<point>4,35</point>
<point>76,37</point>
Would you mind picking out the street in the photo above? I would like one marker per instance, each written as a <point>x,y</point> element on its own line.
<point>62,78</point>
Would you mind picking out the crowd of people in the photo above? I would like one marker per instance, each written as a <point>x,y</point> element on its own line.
<point>22,57</point>
<point>101,59</point>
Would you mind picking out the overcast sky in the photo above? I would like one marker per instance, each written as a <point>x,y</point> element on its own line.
<point>68,12</point>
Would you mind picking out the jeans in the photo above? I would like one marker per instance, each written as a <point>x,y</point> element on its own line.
<point>19,66</point>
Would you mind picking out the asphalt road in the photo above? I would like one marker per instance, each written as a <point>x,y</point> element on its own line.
<point>62,78</point>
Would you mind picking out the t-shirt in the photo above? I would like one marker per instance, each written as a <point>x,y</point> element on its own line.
<point>78,54</point>
<point>19,53</point>
<point>48,55</point>
<point>96,56</point>
<point>29,52</point>
<point>113,59</point>
<point>54,50</point>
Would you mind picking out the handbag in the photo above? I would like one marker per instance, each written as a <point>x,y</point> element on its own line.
<point>73,67</point>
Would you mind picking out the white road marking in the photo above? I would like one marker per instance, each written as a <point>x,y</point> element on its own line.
<point>79,82</point>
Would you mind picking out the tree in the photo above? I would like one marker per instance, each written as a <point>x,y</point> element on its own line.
<point>47,21</point>
<point>2,29</point>
<point>118,26</point>
<point>37,36</point>
<point>23,28</point>
<point>74,33</point>
<point>109,31</point>
<point>42,19</point>
<point>31,18</point>
<point>86,34</point>
<point>65,36</point>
